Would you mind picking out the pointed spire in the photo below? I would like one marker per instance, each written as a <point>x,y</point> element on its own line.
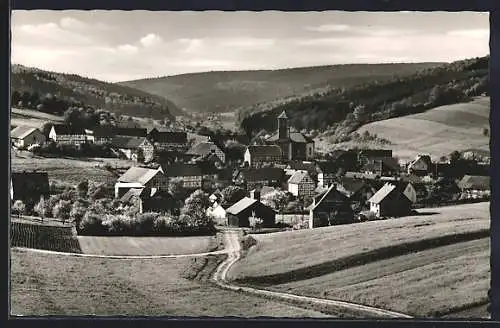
<point>283,115</point>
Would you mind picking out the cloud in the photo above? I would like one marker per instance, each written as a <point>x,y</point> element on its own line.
<point>190,45</point>
<point>151,40</point>
<point>329,28</point>
<point>472,33</point>
<point>47,34</point>
<point>128,49</point>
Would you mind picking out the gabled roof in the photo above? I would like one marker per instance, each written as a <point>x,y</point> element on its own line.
<point>140,175</point>
<point>21,132</point>
<point>264,150</point>
<point>351,185</point>
<point>318,199</point>
<point>283,115</point>
<point>265,173</point>
<point>304,166</point>
<point>295,136</point>
<point>243,204</point>
<point>382,193</point>
<point>476,182</point>
<point>202,149</point>
<point>127,197</point>
<point>327,167</point>
<point>182,170</point>
<point>375,152</point>
<point>297,177</point>
<point>131,132</point>
<point>65,129</point>
<point>101,131</point>
<point>168,136</point>
<point>126,142</point>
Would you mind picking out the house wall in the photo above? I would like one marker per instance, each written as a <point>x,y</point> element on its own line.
<point>310,150</point>
<point>127,152</point>
<point>395,204</point>
<point>148,151</point>
<point>299,151</point>
<point>121,188</point>
<point>247,157</point>
<point>325,179</point>
<point>293,188</point>
<point>218,213</point>
<point>375,208</point>
<point>36,137</point>
<point>242,219</point>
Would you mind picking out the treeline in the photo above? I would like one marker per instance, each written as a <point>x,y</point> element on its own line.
<point>342,110</point>
<point>74,90</point>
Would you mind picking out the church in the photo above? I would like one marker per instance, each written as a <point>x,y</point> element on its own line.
<point>294,145</point>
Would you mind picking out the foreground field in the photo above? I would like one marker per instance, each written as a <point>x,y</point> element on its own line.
<point>146,245</point>
<point>67,170</point>
<point>296,255</point>
<point>438,131</point>
<point>43,284</point>
<point>428,283</point>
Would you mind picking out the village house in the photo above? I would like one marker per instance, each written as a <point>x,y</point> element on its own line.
<point>474,186</point>
<point>306,166</point>
<point>301,185</point>
<point>168,140</point>
<point>390,201</point>
<point>239,214</point>
<point>387,166</point>
<point>130,132</point>
<point>330,208</point>
<point>262,155</point>
<point>99,135</point>
<point>67,134</point>
<point>140,178</point>
<point>209,173</point>
<point>416,192</point>
<point>191,175</point>
<point>204,149</point>
<point>133,148</point>
<point>250,178</point>
<point>261,191</point>
<point>29,187</point>
<point>294,145</point>
<point>224,177</point>
<point>25,136</point>
<point>327,173</point>
<point>366,156</point>
<point>420,166</point>
<point>358,191</point>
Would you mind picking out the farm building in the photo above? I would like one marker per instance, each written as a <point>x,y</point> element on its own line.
<point>137,149</point>
<point>240,213</point>
<point>68,135</point>
<point>474,186</point>
<point>294,145</point>
<point>204,149</point>
<point>358,191</point>
<point>29,186</point>
<point>130,132</point>
<point>149,200</point>
<point>387,166</point>
<point>140,178</point>
<point>301,184</point>
<point>224,177</point>
<point>168,140</point>
<point>415,192</point>
<point>327,173</point>
<point>366,156</point>
<point>262,155</point>
<point>249,178</point>
<point>330,208</point>
<point>25,136</point>
<point>218,213</point>
<point>422,165</point>
<point>190,174</point>
<point>100,135</point>
<point>390,201</point>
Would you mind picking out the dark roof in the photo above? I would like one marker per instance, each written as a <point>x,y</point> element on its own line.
<point>65,129</point>
<point>182,170</point>
<point>265,150</point>
<point>283,115</point>
<point>202,149</point>
<point>225,174</point>
<point>101,131</point>
<point>132,132</point>
<point>304,166</point>
<point>375,152</point>
<point>168,136</point>
<point>22,132</point>
<point>264,173</point>
<point>475,182</point>
<point>295,136</point>
<point>351,185</point>
<point>382,193</point>
<point>243,204</point>
<point>124,142</point>
<point>138,175</point>
<point>318,199</point>
<point>388,162</point>
<point>327,167</point>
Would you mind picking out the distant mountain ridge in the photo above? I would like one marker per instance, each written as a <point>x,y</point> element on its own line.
<point>115,98</point>
<point>227,91</point>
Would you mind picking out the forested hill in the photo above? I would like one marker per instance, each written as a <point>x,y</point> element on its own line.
<point>342,110</point>
<point>227,91</point>
<point>37,89</point>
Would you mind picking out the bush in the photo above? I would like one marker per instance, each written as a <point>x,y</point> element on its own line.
<point>62,210</point>
<point>91,224</point>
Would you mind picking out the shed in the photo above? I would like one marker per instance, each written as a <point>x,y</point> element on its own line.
<point>239,214</point>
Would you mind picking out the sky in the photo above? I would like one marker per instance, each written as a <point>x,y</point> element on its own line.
<point>126,45</point>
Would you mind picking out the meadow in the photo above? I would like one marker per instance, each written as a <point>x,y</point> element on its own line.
<point>297,255</point>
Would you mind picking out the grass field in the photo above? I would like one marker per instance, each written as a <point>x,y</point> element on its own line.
<point>43,284</point>
<point>427,283</point>
<point>67,170</point>
<point>296,255</point>
<point>31,118</point>
<point>438,131</point>
<point>146,245</point>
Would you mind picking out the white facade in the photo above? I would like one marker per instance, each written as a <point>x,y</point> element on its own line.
<point>247,157</point>
<point>375,208</point>
<point>293,188</point>
<point>218,213</point>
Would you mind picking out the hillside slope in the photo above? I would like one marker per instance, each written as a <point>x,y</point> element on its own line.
<point>115,98</point>
<point>227,91</point>
<point>438,131</point>
<point>341,111</point>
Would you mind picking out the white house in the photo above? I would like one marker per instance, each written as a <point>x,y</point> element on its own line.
<point>218,213</point>
<point>139,178</point>
<point>24,136</point>
<point>301,184</point>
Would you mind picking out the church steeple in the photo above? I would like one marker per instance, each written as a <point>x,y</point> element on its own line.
<point>283,131</point>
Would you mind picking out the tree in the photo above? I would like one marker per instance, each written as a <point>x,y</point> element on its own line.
<point>232,194</point>
<point>83,188</point>
<point>19,208</point>
<point>455,157</point>
<point>277,199</point>
<point>41,208</point>
<point>77,212</point>
<point>194,210</point>
<point>15,97</point>
<point>176,188</point>
<point>62,210</point>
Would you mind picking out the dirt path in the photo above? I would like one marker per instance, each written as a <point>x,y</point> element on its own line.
<point>233,249</point>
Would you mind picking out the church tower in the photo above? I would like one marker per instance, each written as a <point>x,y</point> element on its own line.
<point>283,130</point>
